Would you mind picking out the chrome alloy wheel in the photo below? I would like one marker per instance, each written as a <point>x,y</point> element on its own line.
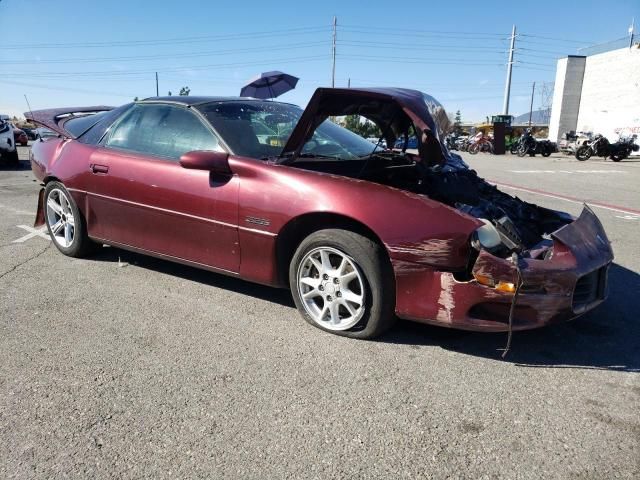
<point>60,218</point>
<point>331,287</point>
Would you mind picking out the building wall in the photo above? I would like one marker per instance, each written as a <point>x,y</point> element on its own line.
<point>610,100</point>
<point>566,96</point>
<point>599,93</point>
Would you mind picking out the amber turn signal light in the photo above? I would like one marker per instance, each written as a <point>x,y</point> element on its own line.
<point>506,287</point>
<point>486,280</point>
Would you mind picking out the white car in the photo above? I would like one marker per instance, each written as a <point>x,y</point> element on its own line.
<point>8,152</point>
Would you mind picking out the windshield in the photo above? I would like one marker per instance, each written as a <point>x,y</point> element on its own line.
<point>261,129</point>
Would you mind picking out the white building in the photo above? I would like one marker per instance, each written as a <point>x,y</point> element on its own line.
<point>597,93</point>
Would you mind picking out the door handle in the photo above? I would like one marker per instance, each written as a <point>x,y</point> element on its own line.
<point>95,168</point>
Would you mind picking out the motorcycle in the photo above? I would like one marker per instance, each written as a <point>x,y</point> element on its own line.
<point>482,144</point>
<point>601,147</point>
<point>530,145</point>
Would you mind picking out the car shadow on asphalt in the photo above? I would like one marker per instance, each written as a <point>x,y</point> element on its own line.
<point>607,338</point>
<point>5,167</point>
<point>217,280</point>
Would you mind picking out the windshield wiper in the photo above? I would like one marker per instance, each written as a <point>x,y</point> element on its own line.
<point>315,155</point>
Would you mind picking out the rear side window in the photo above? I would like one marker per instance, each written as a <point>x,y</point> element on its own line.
<point>78,126</point>
<point>165,131</point>
<point>97,130</point>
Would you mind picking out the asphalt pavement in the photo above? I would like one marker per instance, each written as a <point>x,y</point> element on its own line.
<point>125,366</point>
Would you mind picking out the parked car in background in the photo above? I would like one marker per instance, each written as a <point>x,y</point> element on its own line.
<point>572,140</point>
<point>43,133</point>
<point>8,152</point>
<point>411,142</point>
<point>30,132</point>
<point>377,141</point>
<point>361,236</point>
<point>19,136</point>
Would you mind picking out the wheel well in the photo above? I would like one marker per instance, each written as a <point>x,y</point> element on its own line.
<point>50,178</point>
<point>301,227</point>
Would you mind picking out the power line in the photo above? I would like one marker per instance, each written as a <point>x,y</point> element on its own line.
<point>556,39</point>
<point>433,32</point>
<point>414,46</point>
<point>67,89</point>
<point>172,41</point>
<point>167,56</point>
<point>417,34</point>
<point>373,58</point>
<point>109,73</point>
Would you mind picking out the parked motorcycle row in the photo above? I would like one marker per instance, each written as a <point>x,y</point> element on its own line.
<point>584,145</point>
<point>601,147</point>
<point>527,144</point>
<point>473,145</point>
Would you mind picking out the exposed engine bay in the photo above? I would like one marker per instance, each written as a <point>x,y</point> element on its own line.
<point>511,224</point>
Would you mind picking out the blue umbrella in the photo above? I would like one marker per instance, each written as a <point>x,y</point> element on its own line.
<point>269,85</point>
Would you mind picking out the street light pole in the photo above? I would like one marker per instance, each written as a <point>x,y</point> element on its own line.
<point>507,87</point>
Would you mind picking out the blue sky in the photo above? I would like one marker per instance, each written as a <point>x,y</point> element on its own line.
<point>73,53</point>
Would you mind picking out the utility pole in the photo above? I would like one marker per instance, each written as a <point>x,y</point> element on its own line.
<point>507,87</point>
<point>157,91</point>
<point>631,29</point>
<point>349,83</point>
<point>533,91</point>
<point>333,50</point>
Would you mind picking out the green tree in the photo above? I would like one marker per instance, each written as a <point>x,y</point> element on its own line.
<point>363,127</point>
<point>169,93</point>
<point>457,123</point>
<point>185,91</point>
<point>136,99</point>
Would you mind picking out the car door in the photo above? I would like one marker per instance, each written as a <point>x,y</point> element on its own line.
<point>141,197</point>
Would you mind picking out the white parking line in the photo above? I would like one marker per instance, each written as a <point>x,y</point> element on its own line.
<point>15,210</point>
<point>613,208</point>
<point>33,232</point>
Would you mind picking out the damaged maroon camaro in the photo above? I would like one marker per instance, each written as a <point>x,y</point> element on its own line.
<point>360,234</point>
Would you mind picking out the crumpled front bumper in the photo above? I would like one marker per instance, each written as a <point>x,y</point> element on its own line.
<point>569,282</point>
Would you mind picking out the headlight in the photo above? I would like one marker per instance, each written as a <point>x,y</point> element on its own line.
<point>487,236</point>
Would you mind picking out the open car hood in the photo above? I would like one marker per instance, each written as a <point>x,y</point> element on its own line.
<point>55,118</point>
<point>391,109</point>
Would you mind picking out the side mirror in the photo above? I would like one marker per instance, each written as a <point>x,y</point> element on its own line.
<point>215,162</point>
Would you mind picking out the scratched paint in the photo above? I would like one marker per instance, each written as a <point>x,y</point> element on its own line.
<point>446,300</point>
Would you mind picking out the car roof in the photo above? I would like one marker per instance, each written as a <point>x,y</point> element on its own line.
<point>199,100</point>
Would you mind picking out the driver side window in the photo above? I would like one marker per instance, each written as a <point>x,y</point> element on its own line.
<point>165,131</point>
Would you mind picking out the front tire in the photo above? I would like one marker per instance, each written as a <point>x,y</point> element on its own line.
<point>522,150</point>
<point>342,282</point>
<point>65,223</point>
<point>583,153</point>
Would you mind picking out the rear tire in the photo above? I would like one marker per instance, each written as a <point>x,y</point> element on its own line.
<point>65,223</point>
<point>343,283</point>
